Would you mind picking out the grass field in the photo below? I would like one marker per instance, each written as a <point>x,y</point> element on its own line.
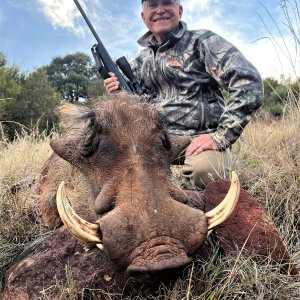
<point>267,159</point>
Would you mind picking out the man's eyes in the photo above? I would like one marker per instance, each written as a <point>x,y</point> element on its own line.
<point>163,3</point>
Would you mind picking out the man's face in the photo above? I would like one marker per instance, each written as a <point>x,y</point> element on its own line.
<point>161,16</point>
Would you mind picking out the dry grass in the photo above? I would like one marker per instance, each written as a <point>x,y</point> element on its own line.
<point>20,163</point>
<point>267,159</point>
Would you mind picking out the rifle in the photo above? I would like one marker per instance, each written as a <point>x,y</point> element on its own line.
<point>105,64</point>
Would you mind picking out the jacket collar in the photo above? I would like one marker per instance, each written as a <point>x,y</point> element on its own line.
<point>148,39</point>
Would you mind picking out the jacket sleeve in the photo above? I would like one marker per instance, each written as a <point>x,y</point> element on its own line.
<point>136,65</point>
<point>227,65</point>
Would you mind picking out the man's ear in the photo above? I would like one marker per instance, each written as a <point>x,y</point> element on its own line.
<point>180,11</point>
<point>143,16</point>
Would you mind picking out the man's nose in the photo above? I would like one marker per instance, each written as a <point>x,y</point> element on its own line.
<point>160,8</point>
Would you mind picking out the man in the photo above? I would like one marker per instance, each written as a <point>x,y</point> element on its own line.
<point>185,73</point>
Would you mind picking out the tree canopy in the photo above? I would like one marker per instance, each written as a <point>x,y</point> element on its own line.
<point>26,102</point>
<point>30,100</point>
<point>11,80</point>
<point>277,95</point>
<point>38,101</point>
<point>74,76</point>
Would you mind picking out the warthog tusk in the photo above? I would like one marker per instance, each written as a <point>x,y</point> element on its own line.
<point>220,213</point>
<point>81,229</point>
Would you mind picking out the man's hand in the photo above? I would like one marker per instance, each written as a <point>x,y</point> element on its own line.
<point>111,84</point>
<point>199,144</point>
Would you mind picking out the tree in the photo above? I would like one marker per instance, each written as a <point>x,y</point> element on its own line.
<point>11,80</point>
<point>39,99</point>
<point>74,76</point>
<point>34,106</point>
<point>272,99</point>
<point>96,87</point>
<point>278,95</point>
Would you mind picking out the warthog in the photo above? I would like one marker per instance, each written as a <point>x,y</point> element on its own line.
<point>147,224</point>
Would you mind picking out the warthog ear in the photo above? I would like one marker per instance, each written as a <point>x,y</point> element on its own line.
<point>78,125</point>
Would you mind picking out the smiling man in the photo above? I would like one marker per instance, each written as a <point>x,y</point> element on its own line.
<point>161,17</point>
<point>186,73</point>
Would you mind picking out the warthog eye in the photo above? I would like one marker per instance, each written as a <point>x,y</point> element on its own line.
<point>91,141</point>
<point>90,146</point>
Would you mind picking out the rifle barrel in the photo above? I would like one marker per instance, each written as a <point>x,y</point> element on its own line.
<point>88,22</point>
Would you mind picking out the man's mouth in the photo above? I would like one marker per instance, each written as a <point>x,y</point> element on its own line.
<point>161,20</point>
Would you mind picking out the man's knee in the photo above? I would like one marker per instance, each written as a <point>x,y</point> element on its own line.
<point>211,165</point>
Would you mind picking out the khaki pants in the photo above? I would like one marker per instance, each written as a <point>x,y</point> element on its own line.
<point>210,165</point>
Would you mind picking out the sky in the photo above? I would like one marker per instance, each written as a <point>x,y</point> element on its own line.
<point>33,32</point>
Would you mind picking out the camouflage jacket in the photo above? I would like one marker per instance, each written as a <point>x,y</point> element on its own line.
<point>185,76</point>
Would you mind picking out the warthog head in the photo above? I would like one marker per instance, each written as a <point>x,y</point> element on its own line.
<point>124,150</point>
